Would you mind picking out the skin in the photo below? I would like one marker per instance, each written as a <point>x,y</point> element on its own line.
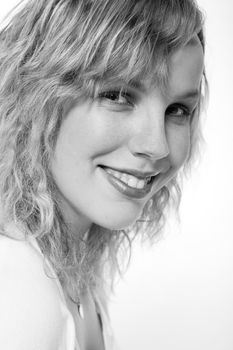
<point>148,132</point>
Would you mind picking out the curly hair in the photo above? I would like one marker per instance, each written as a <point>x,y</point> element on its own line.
<point>52,53</point>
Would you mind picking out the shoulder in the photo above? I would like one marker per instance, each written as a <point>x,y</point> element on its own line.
<point>30,305</point>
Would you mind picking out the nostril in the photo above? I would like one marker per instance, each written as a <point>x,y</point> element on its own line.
<point>149,145</point>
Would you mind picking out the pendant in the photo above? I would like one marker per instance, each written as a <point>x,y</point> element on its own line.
<point>80,310</point>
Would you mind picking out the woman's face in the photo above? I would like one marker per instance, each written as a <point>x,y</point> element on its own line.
<point>108,149</point>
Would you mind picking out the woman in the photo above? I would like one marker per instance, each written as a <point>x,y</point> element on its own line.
<point>99,116</point>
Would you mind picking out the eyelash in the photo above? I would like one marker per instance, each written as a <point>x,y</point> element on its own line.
<point>181,118</point>
<point>109,95</point>
<point>114,95</point>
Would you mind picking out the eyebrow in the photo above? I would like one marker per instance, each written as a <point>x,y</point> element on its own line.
<point>138,85</point>
<point>192,94</point>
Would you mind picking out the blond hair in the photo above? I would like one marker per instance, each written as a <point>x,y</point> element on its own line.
<point>52,53</point>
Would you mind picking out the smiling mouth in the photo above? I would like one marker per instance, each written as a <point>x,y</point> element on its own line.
<point>129,185</point>
<point>129,179</point>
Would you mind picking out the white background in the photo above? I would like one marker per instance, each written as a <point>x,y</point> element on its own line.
<point>178,294</point>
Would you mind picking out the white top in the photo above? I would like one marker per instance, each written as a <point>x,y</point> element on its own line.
<point>33,311</point>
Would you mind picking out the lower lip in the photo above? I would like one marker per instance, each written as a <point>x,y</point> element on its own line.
<point>125,189</point>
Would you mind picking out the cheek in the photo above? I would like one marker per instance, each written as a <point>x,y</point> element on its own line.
<point>105,135</point>
<point>179,145</point>
<point>84,137</point>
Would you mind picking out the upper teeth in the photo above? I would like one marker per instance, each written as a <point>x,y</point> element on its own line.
<point>130,180</point>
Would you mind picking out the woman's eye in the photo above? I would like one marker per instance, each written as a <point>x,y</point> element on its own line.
<point>117,97</point>
<point>180,113</point>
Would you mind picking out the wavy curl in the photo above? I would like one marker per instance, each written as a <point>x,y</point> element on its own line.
<point>52,53</point>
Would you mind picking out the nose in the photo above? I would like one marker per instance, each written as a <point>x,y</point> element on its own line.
<point>149,139</point>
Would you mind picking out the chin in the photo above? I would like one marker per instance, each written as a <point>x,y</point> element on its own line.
<point>118,222</point>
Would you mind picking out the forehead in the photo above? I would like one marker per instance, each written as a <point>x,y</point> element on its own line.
<point>186,67</point>
<point>181,73</point>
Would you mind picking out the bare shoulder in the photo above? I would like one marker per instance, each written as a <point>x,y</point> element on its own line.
<point>30,310</point>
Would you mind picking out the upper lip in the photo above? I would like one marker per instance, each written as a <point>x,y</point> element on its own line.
<point>137,173</point>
